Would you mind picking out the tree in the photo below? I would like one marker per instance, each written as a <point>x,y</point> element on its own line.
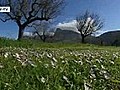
<point>42,30</point>
<point>87,24</point>
<point>25,12</point>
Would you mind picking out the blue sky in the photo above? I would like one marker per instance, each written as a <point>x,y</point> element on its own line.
<point>108,10</point>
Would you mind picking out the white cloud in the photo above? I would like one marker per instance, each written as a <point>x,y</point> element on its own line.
<point>65,24</point>
<point>68,26</point>
<point>27,34</point>
<point>112,30</point>
<point>98,33</point>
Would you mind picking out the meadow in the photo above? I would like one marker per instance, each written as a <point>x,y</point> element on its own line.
<point>33,65</point>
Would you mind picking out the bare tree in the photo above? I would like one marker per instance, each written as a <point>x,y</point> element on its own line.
<point>88,23</point>
<point>25,12</point>
<point>42,30</point>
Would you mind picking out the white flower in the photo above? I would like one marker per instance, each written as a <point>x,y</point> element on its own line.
<point>63,61</point>
<point>65,78</point>
<point>49,55</point>
<point>104,72</point>
<point>106,76</point>
<point>17,55</point>
<point>7,84</point>
<point>102,67</point>
<point>31,63</point>
<point>1,66</point>
<point>98,60</point>
<point>43,80</point>
<point>87,86</point>
<point>93,75</point>
<point>6,55</point>
<point>53,64</point>
<point>24,63</point>
<point>112,62</point>
<point>61,57</point>
<point>46,65</point>
<point>54,59</point>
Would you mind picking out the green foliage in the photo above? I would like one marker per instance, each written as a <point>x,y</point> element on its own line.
<point>32,65</point>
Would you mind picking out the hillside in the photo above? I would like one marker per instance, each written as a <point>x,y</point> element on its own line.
<point>66,36</point>
<point>110,38</point>
<point>33,65</point>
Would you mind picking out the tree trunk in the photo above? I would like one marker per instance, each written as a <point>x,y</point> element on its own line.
<point>44,38</point>
<point>83,39</point>
<point>20,33</point>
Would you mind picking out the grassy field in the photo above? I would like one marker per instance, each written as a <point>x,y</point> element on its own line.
<point>33,65</point>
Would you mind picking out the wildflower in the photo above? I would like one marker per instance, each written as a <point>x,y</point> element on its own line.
<point>61,57</point>
<point>24,63</point>
<point>54,59</point>
<point>98,60</point>
<point>17,55</point>
<point>112,62</point>
<point>63,61</point>
<point>43,80</point>
<point>53,64</point>
<point>102,67</point>
<point>49,55</point>
<point>7,84</point>
<point>103,71</point>
<point>46,65</point>
<point>92,75</point>
<point>66,79</point>
<point>115,55</point>
<point>1,66</point>
<point>87,86</point>
<point>32,64</point>
<point>106,76</point>
<point>6,55</point>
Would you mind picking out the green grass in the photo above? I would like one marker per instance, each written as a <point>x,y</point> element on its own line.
<point>36,44</point>
<point>34,65</point>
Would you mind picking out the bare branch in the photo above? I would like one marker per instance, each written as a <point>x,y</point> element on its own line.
<point>88,23</point>
<point>25,12</point>
<point>5,19</point>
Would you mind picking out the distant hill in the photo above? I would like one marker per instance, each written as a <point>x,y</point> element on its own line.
<point>72,36</point>
<point>110,38</point>
<point>66,36</point>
